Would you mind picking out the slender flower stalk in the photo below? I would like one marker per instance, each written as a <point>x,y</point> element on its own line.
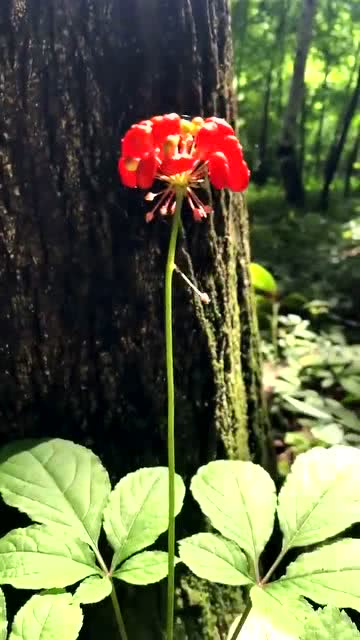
<point>185,156</point>
<point>170,266</point>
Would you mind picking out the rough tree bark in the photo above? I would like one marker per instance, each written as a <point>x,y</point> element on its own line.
<point>336,149</point>
<point>81,274</point>
<point>352,158</point>
<point>287,149</point>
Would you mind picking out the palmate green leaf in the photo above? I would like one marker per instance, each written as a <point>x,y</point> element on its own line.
<point>3,618</point>
<point>286,612</point>
<point>262,279</point>
<point>306,409</point>
<point>37,557</point>
<point>330,623</point>
<point>215,558</point>
<point>329,575</point>
<point>144,568</point>
<point>137,511</point>
<point>239,498</point>
<point>320,496</point>
<point>56,482</point>
<point>48,617</point>
<point>93,589</point>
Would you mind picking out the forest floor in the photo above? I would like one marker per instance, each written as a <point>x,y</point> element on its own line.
<point>312,361</point>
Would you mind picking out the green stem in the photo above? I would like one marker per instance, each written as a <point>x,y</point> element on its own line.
<point>113,595</point>
<point>242,620</point>
<point>117,612</point>
<point>170,266</point>
<point>275,565</point>
<point>275,328</point>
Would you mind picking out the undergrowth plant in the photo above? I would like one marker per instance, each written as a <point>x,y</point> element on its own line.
<point>320,498</point>
<point>65,490</point>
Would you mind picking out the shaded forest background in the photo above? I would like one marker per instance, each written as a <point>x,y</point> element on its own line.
<point>297,82</point>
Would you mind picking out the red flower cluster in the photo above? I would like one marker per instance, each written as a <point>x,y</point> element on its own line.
<point>182,153</point>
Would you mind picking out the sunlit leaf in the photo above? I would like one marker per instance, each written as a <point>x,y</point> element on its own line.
<point>239,498</point>
<point>328,575</point>
<point>137,512</point>
<point>48,617</point>
<point>306,409</point>
<point>284,611</point>
<point>37,557</point>
<point>330,623</point>
<point>262,279</point>
<point>93,589</point>
<point>320,496</point>
<point>56,482</point>
<point>215,558</point>
<point>144,568</point>
<point>3,618</point>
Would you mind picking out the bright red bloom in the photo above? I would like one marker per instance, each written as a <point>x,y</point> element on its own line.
<point>137,141</point>
<point>183,154</point>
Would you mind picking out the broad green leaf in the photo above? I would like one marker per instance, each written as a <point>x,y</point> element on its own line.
<point>93,589</point>
<point>351,385</point>
<point>329,575</point>
<point>331,433</point>
<point>144,568</point>
<point>48,617</point>
<point>285,612</point>
<point>262,279</point>
<point>347,418</point>
<point>320,496</point>
<point>3,618</point>
<point>330,623</point>
<point>215,558</point>
<point>306,408</point>
<point>239,498</point>
<point>257,627</point>
<point>137,511</point>
<point>40,558</point>
<point>56,482</point>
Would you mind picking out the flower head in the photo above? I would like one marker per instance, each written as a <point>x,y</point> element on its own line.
<point>183,154</point>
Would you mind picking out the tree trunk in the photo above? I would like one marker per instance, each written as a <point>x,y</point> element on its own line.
<point>302,135</point>
<point>262,173</point>
<point>281,47</point>
<point>290,170</point>
<point>351,160</point>
<point>82,333</point>
<point>240,18</point>
<point>335,151</point>
<point>319,134</point>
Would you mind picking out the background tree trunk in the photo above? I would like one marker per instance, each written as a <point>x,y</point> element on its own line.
<point>290,170</point>
<point>336,149</point>
<point>350,161</point>
<point>81,274</point>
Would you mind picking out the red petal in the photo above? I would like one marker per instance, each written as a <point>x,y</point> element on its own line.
<point>223,127</point>
<point>177,164</point>
<point>239,176</point>
<point>218,170</point>
<point>146,171</point>
<point>128,178</point>
<point>231,147</point>
<point>137,141</point>
<point>164,126</point>
<point>207,139</point>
